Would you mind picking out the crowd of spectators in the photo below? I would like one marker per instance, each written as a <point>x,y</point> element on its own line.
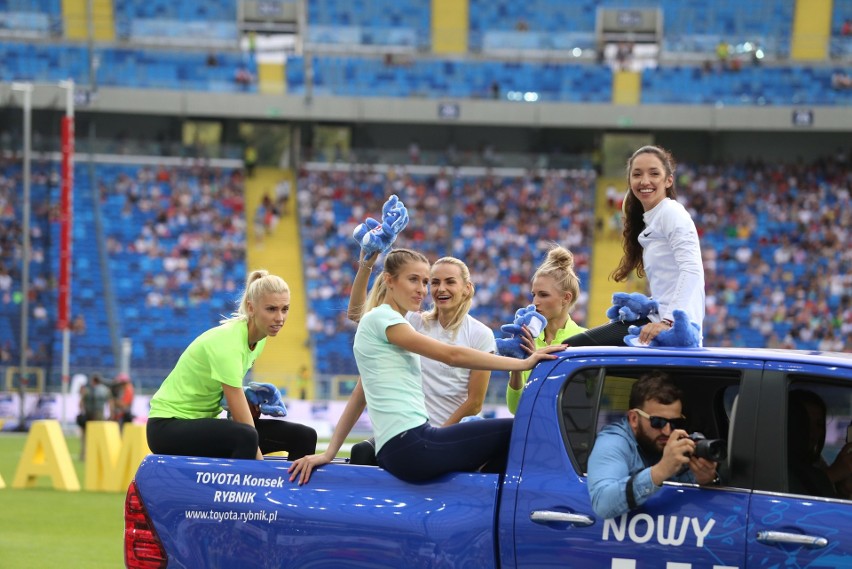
<point>189,225</point>
<point>40,324</point>
<point>776,246</point>
<point>775,242</point>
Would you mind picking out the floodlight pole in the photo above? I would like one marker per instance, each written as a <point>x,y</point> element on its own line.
<point>27,90</point>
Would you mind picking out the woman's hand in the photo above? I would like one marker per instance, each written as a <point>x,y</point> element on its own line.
<point>367,263</point>
<point>302,467</point>
<point>651,330</point>
<point>527,341</point>
<point>254,410</point>
<point>545,353</point>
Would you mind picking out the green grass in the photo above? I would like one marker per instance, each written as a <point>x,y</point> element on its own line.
<point>43,528</point>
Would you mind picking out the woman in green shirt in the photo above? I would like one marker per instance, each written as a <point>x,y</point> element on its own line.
<point>184,410</point>
<point>555,290</point>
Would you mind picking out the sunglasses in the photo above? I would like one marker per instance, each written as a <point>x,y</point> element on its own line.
<point>661,422</point>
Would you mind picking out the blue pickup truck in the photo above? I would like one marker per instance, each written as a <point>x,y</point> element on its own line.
<point>184,512</point>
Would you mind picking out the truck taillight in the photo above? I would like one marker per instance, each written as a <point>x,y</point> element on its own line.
<point>142,547</point>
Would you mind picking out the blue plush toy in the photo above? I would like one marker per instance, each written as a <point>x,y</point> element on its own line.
<point>375,237</point>
<point>264,395</point>
<point>683,334</point>
<point>511,346</point>
<point>627,307</point>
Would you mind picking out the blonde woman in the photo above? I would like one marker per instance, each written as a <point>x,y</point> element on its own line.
<point>555,290</point>
<point>184,410</point>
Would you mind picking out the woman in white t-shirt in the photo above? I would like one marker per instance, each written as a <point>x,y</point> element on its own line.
<point>387,350</point>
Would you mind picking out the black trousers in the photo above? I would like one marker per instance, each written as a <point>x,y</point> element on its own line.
<point>610,334</point>
<point>223,438</point>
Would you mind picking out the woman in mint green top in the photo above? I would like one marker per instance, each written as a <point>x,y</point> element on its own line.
<point>555,290</point>
<point>184,410</point>
<point>388,350</point>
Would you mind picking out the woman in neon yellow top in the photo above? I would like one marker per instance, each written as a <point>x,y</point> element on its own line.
<point>184,410</point>
<point>555,290</point>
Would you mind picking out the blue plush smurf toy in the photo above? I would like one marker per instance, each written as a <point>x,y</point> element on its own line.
<point>683,334</point>
<point>511,346</point>
<point>375,237</point>
<point>628,307</point>
<point>264,395</point>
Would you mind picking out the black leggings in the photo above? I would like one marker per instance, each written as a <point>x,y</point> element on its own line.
<point>425,452</point>
<point>364,453</point>
<point>223,438</point>
<point>610,334</point>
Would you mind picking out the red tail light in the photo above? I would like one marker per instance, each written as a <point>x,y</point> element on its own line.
<point>142,546</point>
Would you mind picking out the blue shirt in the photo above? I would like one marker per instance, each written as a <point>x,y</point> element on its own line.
<point>614,459</point>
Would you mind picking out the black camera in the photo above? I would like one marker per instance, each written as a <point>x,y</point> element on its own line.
<point>715,450</point>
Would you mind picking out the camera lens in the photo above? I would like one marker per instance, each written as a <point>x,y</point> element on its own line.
<point>715,450</point>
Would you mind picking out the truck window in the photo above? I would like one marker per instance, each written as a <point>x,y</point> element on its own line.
<point>595,397</point>
<point>819,438</point>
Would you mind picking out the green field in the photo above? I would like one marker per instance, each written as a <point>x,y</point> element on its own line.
<point>42,528</point>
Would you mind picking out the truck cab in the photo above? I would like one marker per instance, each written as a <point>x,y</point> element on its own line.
<point>759,515</point>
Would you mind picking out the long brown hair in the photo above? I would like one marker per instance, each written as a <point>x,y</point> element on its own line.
<point>633,220</point>
<point>394,262</point>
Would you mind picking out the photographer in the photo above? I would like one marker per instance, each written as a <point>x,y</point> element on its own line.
<point>632,458</point>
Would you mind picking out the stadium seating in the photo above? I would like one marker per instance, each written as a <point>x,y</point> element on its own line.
<point>166,278</point>
<point>41,306</point>
<point>373,77</point>
<point>760,86</point>
<point>369,22</point>
<point>36,18</point>
<point>188,23</point>
<point>777,265</point>
<point>120,67</point>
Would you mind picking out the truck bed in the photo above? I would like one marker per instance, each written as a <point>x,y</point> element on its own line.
<point>210,511</point>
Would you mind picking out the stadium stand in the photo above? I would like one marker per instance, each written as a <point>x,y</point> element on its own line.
<point>120,67</point>
<point>41,315</point>
<point>159,246</point>
<point>188,23</point>
<point>370,23</point>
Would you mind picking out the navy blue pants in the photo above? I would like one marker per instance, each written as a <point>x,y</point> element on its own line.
<point>426,452</point>
<point>223,438</point>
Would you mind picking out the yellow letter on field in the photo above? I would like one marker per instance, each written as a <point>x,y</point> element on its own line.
<point>46,454</point>
<point>2,484</point>
<point>111,461</point>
